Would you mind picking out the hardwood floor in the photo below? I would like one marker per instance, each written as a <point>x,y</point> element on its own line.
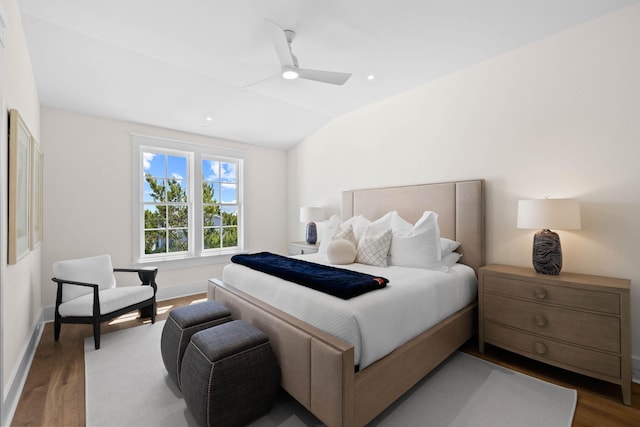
<point>53,394</point>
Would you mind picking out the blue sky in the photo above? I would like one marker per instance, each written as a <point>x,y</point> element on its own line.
<point>222,174</point>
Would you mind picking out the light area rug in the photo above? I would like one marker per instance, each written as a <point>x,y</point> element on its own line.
<point>127,385</point>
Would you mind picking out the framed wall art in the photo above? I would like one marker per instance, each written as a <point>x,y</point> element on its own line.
<point>19,188</point>
<point>35,209</point>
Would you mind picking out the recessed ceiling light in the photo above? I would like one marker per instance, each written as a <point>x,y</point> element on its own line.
<point>371,77</point>
<point>209,118</point>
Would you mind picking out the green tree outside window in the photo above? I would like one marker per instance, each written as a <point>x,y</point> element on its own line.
<point>166,214</point>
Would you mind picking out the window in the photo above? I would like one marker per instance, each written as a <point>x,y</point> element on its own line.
<point>166,202</point>
<point>187,200</point>
<point>220,203</point>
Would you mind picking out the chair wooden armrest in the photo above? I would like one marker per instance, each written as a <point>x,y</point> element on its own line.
<point>96,293</point>
<point>137,270</point>
<point>72,282</point>
<point>96,303</point>
<point>147,275</point>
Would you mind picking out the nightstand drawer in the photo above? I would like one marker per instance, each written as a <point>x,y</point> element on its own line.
<point>563,355</point>
<point>587,329</point>
<point>301,248</point>
<point>603,302</point>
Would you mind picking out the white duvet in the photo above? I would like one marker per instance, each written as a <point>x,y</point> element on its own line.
<point>377,322</point>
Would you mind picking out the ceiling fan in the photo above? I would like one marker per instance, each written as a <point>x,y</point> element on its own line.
<point>289,63</point>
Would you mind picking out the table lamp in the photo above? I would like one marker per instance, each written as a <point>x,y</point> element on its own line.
<point>309,215</point>
<point>547,214</point>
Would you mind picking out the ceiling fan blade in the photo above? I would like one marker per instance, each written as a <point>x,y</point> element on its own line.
<point>280,44</point>
<point>332,77</point>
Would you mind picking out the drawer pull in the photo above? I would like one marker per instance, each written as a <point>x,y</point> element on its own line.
<point>540,348</point>
<point>540,293</point>
<point>540,320</point>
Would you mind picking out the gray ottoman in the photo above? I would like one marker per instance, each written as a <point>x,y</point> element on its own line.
<point>229,375</point>
<point>182,323</point>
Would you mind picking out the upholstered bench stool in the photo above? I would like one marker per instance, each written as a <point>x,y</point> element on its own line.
<point>229,374</point>
<point>182,323</point>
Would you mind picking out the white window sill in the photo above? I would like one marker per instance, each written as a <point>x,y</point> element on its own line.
<point>177,263</point>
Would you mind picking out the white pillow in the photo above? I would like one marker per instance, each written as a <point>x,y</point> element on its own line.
<point>329,230</point>
<point>399,225</point>
<point>448,246</point>
<point>341,251</point>
<point>421,247</point>
<point>403,227</point>
<point>359,224</point>
<point>450,259</point>
<point>383,223</point>
<point>374,248</point>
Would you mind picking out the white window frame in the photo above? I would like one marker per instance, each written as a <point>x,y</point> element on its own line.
<point>195,153</point>
<point>221,204</point>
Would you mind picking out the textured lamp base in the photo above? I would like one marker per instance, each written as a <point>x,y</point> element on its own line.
<point>312,233</point>
<point>547,253</point>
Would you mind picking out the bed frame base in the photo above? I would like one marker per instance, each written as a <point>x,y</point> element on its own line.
<point>318,369</point>
<point>385,381</point>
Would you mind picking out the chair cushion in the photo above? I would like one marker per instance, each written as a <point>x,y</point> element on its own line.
<point>110,301</point>
<point>97,269</point>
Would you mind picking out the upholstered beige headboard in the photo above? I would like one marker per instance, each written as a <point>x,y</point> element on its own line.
<point>460,208</point>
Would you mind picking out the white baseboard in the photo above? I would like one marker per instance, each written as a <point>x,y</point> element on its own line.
<point>18,378</point>
<point>635,369</point>
<point>19,375</point>
<point>181,290</point>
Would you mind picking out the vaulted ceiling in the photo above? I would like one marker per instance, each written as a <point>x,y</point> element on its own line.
<point>209,66</point>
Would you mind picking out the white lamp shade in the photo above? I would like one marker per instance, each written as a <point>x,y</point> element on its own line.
<point>558,214</point>
<point>310,214</point>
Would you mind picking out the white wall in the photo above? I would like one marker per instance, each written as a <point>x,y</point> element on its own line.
<point>87,194</point>
<point>559,118</point>
<point>20,282</point>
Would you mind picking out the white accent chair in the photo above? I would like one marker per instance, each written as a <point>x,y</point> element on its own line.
<point>87,293</point>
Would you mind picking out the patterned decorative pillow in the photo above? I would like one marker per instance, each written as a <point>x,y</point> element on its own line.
<point>346,235</point>
<point>374,248</point>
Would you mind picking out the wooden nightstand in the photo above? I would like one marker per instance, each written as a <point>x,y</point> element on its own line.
<point>299,248</point>
<point>573,321</point>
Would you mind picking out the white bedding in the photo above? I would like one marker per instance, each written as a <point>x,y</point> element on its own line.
<point>374,323</point>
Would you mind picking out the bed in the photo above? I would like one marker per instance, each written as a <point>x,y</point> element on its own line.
<point>317,368</point>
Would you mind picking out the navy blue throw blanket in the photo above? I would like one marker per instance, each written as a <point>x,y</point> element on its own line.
<point>334,281</point>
